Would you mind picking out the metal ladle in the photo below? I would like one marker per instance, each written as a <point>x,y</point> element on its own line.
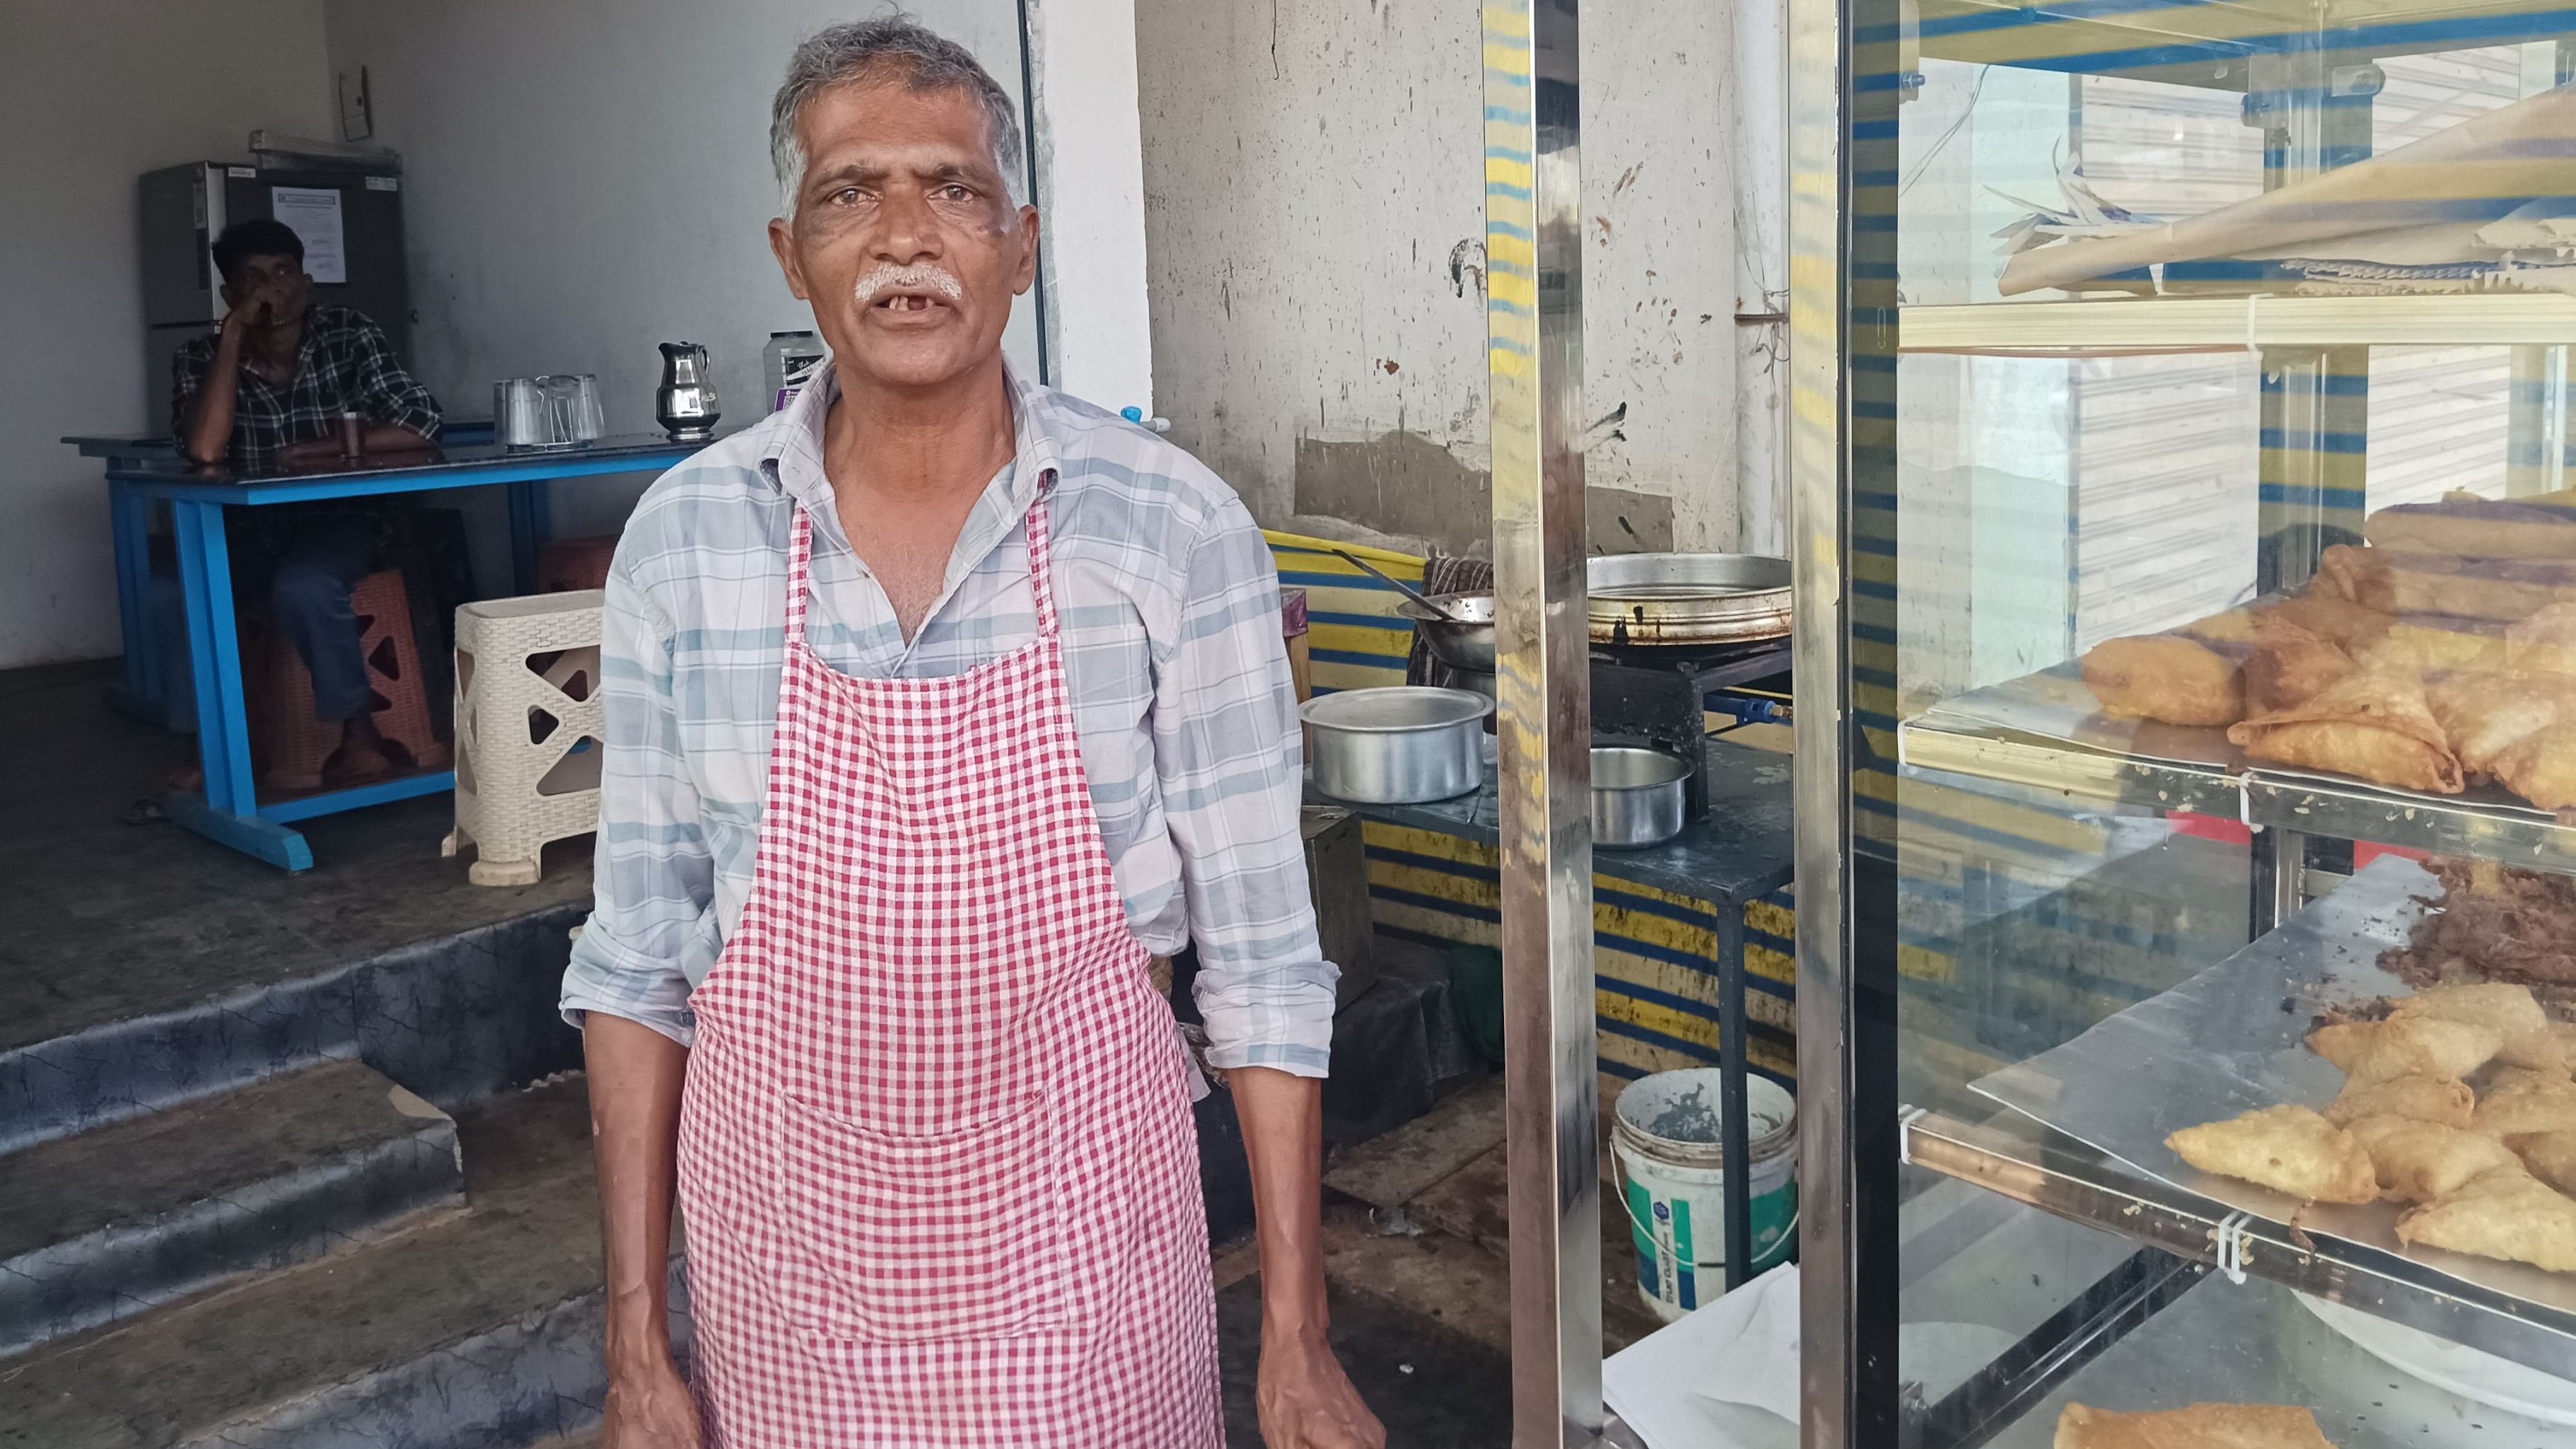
<point>1401,587</point>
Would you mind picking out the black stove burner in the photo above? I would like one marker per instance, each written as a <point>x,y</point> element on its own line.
<point>1717,667</point>
<point>1657,697</point>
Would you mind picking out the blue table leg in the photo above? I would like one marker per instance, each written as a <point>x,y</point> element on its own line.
<point>1734,1107</point>
<point>129,527</point>
<point>531,522</point>
<point>228,810</point>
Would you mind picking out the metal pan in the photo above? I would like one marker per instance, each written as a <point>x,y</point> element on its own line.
<point>1695,599</point>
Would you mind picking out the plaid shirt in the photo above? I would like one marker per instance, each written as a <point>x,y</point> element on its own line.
<point>345,365</point>
<point>1173,657</point>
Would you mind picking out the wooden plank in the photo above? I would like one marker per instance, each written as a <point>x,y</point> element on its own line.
<point>1392,1170</point>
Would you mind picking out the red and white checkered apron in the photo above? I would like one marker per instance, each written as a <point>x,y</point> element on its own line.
<point>936,1151</point>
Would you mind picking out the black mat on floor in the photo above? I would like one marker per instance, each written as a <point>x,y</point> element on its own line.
<point>1432,1386</point>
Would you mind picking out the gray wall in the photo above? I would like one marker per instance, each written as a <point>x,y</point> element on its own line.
<point>588,178</point>
<point>1312,167</point>
<point>93,94</point>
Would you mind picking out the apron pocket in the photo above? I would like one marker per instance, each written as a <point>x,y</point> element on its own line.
<point>948,1236</point>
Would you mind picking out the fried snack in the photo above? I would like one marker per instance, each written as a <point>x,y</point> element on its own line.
<point>2495,924</point>
<point>2485,712</point>
<point>2534,1106</point>
<point>2234,626</point>
<point>2372,724</point>
<point>2505,1213</point>
<point>2330,616</point>
<point>2420,1161</point>
<point>2521,528</point>
<point>2414,1097</point>
<point>2393,582</point>
<point>2550,1156</point>
<point>2551,1050</point>
<point>2509,1080</point>
<point>2370,1052</point>
<point>2290,665</point>
<point>2541,768</point>
<point>2201,1426</point>
<point>2511,1009</point>
<point>2166,677</point>
<point>2288,1148</point>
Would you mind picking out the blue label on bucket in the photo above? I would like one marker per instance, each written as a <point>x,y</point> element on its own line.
<point>1668,1260</point>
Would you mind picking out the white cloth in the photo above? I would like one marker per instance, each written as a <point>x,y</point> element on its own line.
<point>1725,1377</point>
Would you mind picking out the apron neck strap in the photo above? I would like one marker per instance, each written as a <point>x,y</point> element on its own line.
<point>800,562</point>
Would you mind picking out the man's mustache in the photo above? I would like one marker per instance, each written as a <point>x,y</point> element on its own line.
<point>886,277</point>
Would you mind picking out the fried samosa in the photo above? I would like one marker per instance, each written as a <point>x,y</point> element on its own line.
<point>2392,582</point>
<point>2290,665</point>
<point>2417,1098</point>
<point>2288,1148</point>
<point>2479,527</point>
<point>2532,1106</point>
<point>2376,1051</point>
<point>2551,1156</point>
<point>2329,616</point>
<point>2505,1213</point>
<point>2167,677</point>
<point>2507,1006</point>
<point>2420,1161</point>
<point>2201,1426</point>
<point>2372,723</point>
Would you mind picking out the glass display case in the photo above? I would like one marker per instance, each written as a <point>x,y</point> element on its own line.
<point>2187,712</point>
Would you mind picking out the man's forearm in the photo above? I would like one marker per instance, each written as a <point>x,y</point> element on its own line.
<point>210,418</point>
<point>1283,1126</point>
<point>635,1079</point>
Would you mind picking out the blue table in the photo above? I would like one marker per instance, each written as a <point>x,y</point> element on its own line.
<point>142,471</point>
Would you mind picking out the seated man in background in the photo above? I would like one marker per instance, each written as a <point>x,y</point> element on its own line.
<point>267,393</point>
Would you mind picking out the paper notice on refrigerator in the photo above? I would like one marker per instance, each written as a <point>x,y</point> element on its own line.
<point>313,214</point>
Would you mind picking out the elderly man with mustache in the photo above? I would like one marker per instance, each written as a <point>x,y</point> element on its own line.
<point>939,705</point>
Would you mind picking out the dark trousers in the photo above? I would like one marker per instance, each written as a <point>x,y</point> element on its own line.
<point>318,569</point>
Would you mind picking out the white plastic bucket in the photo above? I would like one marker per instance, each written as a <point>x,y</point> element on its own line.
<point>1668,1143</point>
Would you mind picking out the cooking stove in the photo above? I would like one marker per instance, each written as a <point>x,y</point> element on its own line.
<point>1657,698</point>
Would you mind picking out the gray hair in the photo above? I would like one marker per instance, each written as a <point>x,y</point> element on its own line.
<point>930,62</point>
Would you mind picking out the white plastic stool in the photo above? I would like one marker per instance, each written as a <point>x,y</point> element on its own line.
<point>528,730</point>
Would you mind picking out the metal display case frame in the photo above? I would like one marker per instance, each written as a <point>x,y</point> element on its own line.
<point>1854,64</point>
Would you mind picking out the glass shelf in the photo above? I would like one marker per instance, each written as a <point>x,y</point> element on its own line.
<point>2238,324</point>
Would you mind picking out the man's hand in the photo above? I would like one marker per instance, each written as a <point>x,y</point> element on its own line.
<point>258,309</point>
<point>1306,1401</point>
<point>650,1408</point>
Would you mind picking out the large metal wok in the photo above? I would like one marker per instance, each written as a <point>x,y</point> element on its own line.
<point>1687,600</point>
<point>1638,600</point>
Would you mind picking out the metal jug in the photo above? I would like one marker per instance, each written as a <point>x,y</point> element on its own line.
<point>685,404</point>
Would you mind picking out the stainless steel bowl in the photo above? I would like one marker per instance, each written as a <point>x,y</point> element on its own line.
<point>1466,645</point>
<point>1636,796</point>
<point>1398,746</point>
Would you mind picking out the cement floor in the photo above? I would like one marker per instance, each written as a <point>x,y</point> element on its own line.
<point>118,919</point>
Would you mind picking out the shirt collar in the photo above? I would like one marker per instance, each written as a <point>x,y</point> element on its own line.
<point>793,457</point>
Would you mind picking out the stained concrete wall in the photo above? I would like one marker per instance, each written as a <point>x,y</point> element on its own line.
<point>1314,202</point>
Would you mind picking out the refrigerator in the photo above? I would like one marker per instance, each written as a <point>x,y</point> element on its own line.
<point>349,220</point>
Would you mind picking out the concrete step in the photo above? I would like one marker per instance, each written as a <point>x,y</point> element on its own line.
<point>101,1226</point>
<point>474,1330</point>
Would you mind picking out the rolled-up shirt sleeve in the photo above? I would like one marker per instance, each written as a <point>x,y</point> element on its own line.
<point>1229,762</point>
<point>655,877</point>
<point>391,394</point>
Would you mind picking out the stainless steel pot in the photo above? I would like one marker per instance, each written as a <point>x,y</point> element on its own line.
<point>1464,640</point>
<point>1398,746</point>
<point>1636,796</point>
